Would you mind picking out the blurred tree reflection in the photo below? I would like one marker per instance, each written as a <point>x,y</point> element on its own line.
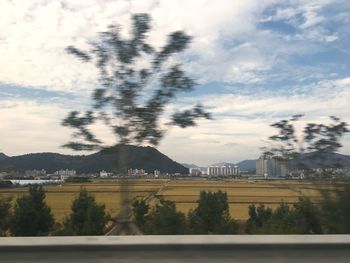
<point>314,153</point>
<point>136,84</point>
<point>314,147</point>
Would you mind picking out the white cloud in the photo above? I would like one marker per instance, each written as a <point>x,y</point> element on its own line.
<point>34,34</point>
<point>239,129</point>
<point>224,139</point>
<point>241,122</point>
<point>31,127</point>
<point>228,46</point>
<point>324,98</point>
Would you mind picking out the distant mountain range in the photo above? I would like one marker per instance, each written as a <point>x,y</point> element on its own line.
<point>188,165</point>
<point>247,165</point>
<point>336,159</point>
<point>147,158</point>
<point>3,156</point>
<point>223,164</point>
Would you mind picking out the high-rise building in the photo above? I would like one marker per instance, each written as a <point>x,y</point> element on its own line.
<point>268,166</point>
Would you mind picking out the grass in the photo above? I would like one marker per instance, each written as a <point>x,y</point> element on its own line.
<point>241,193</point>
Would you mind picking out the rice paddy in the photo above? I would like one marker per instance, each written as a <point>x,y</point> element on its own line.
<point>241,193</point>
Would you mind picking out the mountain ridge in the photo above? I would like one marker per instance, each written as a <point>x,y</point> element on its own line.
<point>3,156</point>
<point>190,165</point>
<point>138,157</point>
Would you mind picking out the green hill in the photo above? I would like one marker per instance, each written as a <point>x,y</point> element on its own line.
<point>147,158</point>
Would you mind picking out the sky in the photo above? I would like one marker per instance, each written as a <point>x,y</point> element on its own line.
<point>255,62</point>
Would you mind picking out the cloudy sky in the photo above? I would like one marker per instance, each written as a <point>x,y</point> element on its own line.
<point>256,62</point>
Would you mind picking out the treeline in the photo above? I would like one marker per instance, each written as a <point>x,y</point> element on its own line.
<point>211,216</point>
<point>330,216</point>
<point>30,216</point>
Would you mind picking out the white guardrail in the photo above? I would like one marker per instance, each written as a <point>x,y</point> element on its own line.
<point>190,248</point>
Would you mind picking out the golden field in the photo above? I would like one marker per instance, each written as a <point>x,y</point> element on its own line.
<point>107,192</point>
<point>241,193</point>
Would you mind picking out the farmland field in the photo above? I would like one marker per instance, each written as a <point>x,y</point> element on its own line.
<point>60,197</point>
<point>241,193</point>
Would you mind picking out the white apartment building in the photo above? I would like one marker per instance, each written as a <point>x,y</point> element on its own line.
<point>195,171</point>
<point>104,174</point>
<point>156,173</point>
<point>136,172</point>
<point>223,170</point>
<point>64,174</point>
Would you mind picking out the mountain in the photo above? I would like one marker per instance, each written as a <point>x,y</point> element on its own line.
<point>335,159</point>
<point>247,165</point>
<point>343,159</point>
<point>223,164</point>
<point>188,165</point>
<point>147,158</point>
<point>3,156</point>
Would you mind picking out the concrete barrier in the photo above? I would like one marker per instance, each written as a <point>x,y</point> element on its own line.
<point>214,248</point>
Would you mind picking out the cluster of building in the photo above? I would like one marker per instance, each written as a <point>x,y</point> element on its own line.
<point>268,166</point>
<point>66,173</point>
<point>277,167</point>
<point>104,174</point>
<point>216,171</point>
<point>343,172</point>
<point>35,173</point>
<point>136,172</point>
<point>131,172</point>
<point>42,174</point>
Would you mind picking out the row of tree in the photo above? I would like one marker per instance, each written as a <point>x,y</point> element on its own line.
<point>330,216</point>
<point>31,216</point>
<point>300,218</point>
<point>211,216</point>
